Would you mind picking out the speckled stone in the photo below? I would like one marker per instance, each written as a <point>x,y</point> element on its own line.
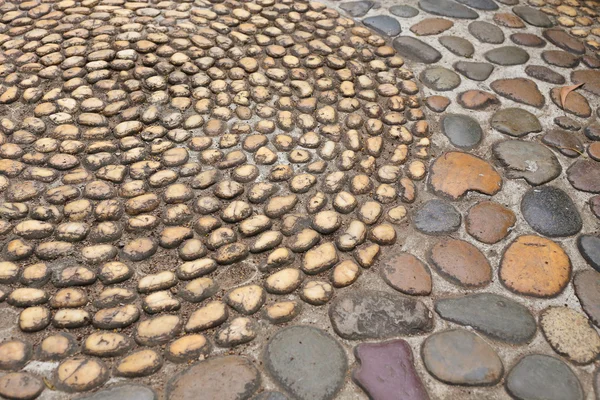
<point>477,99</point>
<point>589,247</point>
<point>431,26</point>
<point>437,217</point>
<point>460,262</point>
<point>463,132</point>
<point>407,274</point>
<point>551,212</point>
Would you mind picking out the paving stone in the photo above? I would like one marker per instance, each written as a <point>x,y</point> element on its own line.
<point>540,376</point>
<point>535,266</point>
<point>270,396</point>
<point>486,32</point>
<point>507,56</point>
<point>594,202</point>
<point>589,247</point>
<point>562,39</point>
<point>551,212</point>
<point>508,20</point>
<point>564,142</point>
<point>404,11</point>
<point>440,78</point>
<point>515,122</point>
<point>476,71</point>
<point>489,222</point>
<point>407,274</point>
<point>416,50</point>
<point>462,131</point>
<point>477,99</point>
<point>567,123</point>
<point>589,78</point>
<point>593,151</point>
<point>454,173</point>
<point>383,24</point>
<point>80,374</point>
<point>560,58</point>
<point>360,315</point>
<point>528,160</point>
<point>585,175</point>
<point>437,103</point>
<point>230,377</point>
<point>545,74</point>
<point>532,16</point>
<point>457,45</point>
<point>459,357</point>
<point>386,371</point>
<point>128,391</point>
<point>437,217</point>
<point>493,315</point>
<point>357,8</point>
<point>575,103</point>
<point>587,289</point>
<point>461,263</point>
<point>307,362</point>
<point>527,39</point>
<point>20,386</point>
<point>431,26</point>
<point>570,334</point>
<point>447,8</point>
<point>520,90</point>
<point>488,5</point>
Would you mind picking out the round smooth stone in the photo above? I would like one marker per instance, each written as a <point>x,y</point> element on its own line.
<point>407,274</point>
<point>157,330</point>
<point>239,331</point>
<point>187,348</point>
<point>461,263</point>
<point>126,391</point>
<point>587,289</point>
<point>57,347</point>
<point>141,363</point>
<point>437,217</point>
<point>489,222</point>
<point>551,212</point>
<point>463,132</point>
<point>516,155</point>
<point>20,386</point>
<point>14,354</point>
<point>440,78</point>
<point>79,374</point>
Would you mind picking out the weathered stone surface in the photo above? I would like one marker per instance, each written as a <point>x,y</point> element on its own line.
<point>440,78</point>
<point>535,266</point>
<point>363,315</point>
<point>515,122</point>
<point>528,160</point>
<point>489,222</point>
<point>454,173</point>
<point>416,50</point>
<point>407,274</point>
<point>307,362</point>
<point>532,16</point>
<point>508,20</point>
<point>570,334</point>
<point>127,391</point>
<point>551,212</point>
<point>79,374</point>
<point>437,217</point>
<point>230,377</point>
<point>486,32</point>
<point>404,11</point>
<point>383,24</point>
<point>357,8</point>
<point>488,5</point>
<point>587,289</point>
<point>462,131</point>
<point>386,371</point>
<point>447,8</point>
<point>589,78</point>
<point>527,39</point>
<point>562,39</point>
<point>589,247</point>
<point>507,55</point>
<point>545,74</point>
<point>437,103</point>
<point>575,103</point>
<point>476,71</point>
<point>477,99</point>
<point>460,357</point>
<point>431,26</point>
<point>585,175</point>
<point>496,316</point>
<point>520,90</point>
<point>540,376</point>
<point>457,45</point>
<point>20,386</point>
<point>560,58</point>
<point>460,262</point>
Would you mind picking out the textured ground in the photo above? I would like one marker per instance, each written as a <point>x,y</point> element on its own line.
<point>272,200</point>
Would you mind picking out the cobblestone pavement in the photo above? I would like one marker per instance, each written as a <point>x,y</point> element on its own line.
<point>279,200</point>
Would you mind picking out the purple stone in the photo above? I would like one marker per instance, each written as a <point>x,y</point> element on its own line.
<point>386,371</point>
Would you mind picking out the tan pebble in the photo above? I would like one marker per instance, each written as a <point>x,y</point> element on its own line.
<point>345,273</point>
<point>210,315</point>
<point>79,374</point>
<point>141,363</point>
<point>157,330</point>
<point>316,292</point>
<point>281,312</point>
<point>188,348</point>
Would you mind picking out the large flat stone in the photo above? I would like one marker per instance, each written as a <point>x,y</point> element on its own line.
<point>551,212</point>
<point>447,8</point>
<point>416,50</point>
<point>531,161</point>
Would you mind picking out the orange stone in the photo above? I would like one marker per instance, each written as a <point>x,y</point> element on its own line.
<point>454,173</point>
<point>520,90</point>
<point>535,266</point>
<point>575,103</point>
<point>508,20</point>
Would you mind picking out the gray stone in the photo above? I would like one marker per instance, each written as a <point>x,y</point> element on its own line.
<point>447,8</point>
<point>488,5</point>
<point>306,362</point>
<point>437,217</point>
<point>383,24</point>
<point>357,8</point>
<point>404,11</point>
<point>539,376</point>
<point>587,289</point>
<point>360,315</point>
<point>531,161</point>
<point>507,55</point>
<point>515,122</point>
<point>496,316</point>
<point>532,16</point>
<point>551,212</point>
<point>121,392</point>
<point>589,247</point>
<point>462,131</point>
<point>476,71</point>
<point>486,32</point>
<point>270,396</point>
<point>545,74</point>
<point>416,50</point>
<point>440,78</point>
<point>457,45</point>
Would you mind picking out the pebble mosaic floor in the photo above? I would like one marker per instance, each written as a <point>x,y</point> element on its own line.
<point>276,200</point>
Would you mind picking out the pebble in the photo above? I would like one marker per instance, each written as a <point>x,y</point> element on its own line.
<point>386,371</point>
<point>431,26</point>
<point>306,362</point>
<point>574,103</point>
<point>493,315</point>
<point>545,74</point>
<point>477,99</point>
<point>570,334</point>
<point>535,266</point>
<point>584,175</point>
<point>416,50</point>
<point>587,285</point>
<point>488,5</point>
<point>562,39</point>
<point>246,299</point>
<point>589,78</point>
<point>527,39</point>
<point>437,217</point>
<point>79,374</point>
<point>357,8</point>
<point>316,293</point>
<point>404,11</point>
<point>20,386</point>
<point>461,263</point>
<point>238,331</point>
<point>439,78</point>
<point>407,274</point>
<point>518,157</point>
<point>14,354</point>
<point>437,104</point>
<point>208,316</point>
<point>532,16</point>
<point>361,315</point>
<point>520,90</point>
<point>227,378</point>
<point>551,212</point>
<point>457,45</point>
<point>459,357</point>
<point>476,71</point>
<point>486,32</point>
<point>560,58</point>
<point>507,56</point>
<point>383,24</point>
<point>454,173</point>
<point>589,248</point>
<point>447,8</point>
<point>489,222</point>
<point>543,376</point>
<point>129,391</point>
